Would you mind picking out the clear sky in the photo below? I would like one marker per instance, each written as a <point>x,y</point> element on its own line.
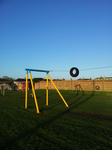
<point>55,35</point>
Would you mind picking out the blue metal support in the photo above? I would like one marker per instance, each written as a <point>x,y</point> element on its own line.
<point>47,71</point>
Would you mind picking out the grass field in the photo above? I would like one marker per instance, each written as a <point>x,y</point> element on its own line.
<point>86,124</point>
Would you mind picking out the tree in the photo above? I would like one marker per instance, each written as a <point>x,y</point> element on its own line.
<point>8,78</point>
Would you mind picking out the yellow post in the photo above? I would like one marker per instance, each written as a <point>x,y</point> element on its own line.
<point>26,90</point>
<point>47,92</point>
<point>34,93</point>
<point>58,91</point>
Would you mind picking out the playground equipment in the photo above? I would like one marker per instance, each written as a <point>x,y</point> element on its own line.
<point>48,77</point>
<point>3,88</point>
<point>74,74</point>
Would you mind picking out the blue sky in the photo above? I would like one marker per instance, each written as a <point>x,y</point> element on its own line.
<point>55,35</point>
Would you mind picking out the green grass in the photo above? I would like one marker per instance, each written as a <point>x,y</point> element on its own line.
<point>86,124</point>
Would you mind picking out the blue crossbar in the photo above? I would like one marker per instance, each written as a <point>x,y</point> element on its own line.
<point>37,70</point>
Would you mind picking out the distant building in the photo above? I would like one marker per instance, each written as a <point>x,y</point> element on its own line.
<point>6,83</point>
<point>106,78</point>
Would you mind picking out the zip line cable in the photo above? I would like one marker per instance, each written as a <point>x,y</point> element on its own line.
<point>82,69</point>
<point>96,68</point>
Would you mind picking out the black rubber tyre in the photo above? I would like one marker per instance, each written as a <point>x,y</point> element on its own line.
<point>97,87</point>
<point>76,73</point>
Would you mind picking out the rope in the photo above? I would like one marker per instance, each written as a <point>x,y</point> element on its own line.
<point>82,69</point>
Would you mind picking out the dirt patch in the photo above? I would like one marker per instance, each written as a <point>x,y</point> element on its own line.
<point>91,115</point>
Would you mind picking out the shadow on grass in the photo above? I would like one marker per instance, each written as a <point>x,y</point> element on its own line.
<point>72,104</point>
<point>83,101</point>
<point>56,100</point>
<point>36,130</point>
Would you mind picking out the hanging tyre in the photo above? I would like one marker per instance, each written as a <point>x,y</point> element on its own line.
<point>97,87</point>
<point>76,72</point>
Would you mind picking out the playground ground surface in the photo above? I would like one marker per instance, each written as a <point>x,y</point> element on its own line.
<point>86,124</point>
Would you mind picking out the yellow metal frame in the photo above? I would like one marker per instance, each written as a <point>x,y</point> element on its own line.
<point>48,76</point>
<point>26,90</point>
<point>36,104</point>
<point>34,93</point>
<point>47,91</point>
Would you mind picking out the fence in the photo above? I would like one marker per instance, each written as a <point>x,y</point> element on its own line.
<point>86,85</point>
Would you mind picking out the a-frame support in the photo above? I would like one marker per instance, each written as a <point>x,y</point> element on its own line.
<point>48,76</point>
